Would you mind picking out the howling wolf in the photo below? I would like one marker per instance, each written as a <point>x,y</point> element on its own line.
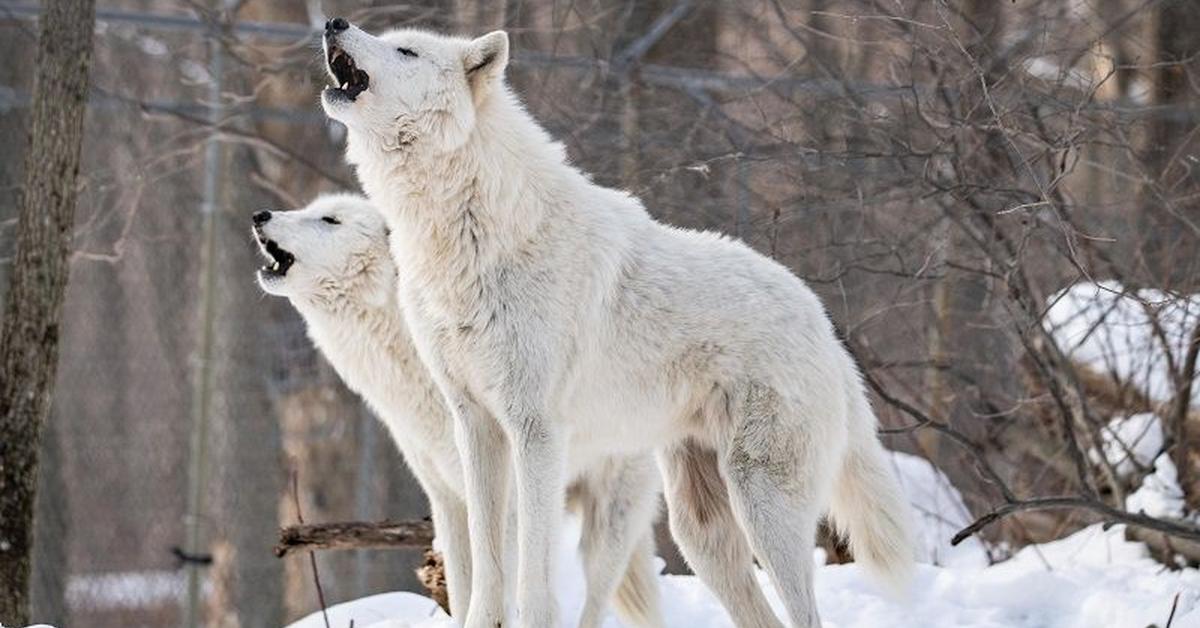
<point>562,323</point>
<point>331,260</point>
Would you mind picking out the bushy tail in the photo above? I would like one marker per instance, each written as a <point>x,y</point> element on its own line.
<point>869,507</point>
<point>636,598</point>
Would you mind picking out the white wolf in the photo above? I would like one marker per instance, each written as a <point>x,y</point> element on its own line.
<point>331,261</point>
<point>558,317</point>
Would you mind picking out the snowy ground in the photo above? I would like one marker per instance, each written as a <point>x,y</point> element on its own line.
<point>1091,579</point>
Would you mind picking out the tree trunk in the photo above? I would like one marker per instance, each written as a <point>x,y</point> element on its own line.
<point>29,337</point>
<point>1172,248</point>
<point>1168,216</point>
<point>48,590</point>
<point>972,357</point>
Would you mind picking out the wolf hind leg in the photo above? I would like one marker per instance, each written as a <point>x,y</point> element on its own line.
<point>618,504</point>
<point>779,458</point>
<point>708,535</point>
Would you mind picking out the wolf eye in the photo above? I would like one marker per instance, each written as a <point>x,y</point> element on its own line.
<point>408,52</point>
<point>331,220</point>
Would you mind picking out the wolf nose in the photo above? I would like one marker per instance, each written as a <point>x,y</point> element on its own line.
<point>261,217</point>
<point>336,25</point>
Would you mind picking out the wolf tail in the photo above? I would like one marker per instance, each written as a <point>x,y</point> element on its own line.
<point>869,508</point>
<point>636,598</point>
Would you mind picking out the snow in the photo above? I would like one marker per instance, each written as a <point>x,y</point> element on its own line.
<point>152,46</point>
<point>1131,442</point>
<point>1111,330</point>
<point>940,511</point>
<point>1090,579</point>
<point>1159,494</point>
<point>194,73</point>
<point>1048,69</point>
<point>378,611</point>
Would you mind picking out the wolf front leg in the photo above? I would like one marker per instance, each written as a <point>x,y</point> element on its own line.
<point>484,451</point>
<point>454,538</point>
<point>539,458</point>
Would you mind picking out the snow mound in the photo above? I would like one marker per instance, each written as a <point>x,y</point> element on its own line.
<point>379,611</point>
<point>1159,494</point>
<point>940,513</point>
<point>1112,330</point>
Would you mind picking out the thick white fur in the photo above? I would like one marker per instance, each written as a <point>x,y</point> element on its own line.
<point>563,324</point>
<point>343,283</point>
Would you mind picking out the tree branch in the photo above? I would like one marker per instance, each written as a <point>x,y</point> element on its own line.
<point>354,535</point>
<point>1113,515</point>
<point>634,51</point>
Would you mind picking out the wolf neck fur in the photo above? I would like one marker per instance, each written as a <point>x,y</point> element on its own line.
<point>483,199</point>
<point>353,323</point>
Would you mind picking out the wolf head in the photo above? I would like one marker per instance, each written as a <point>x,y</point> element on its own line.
<point>334,251</point>
<point>408,87</point>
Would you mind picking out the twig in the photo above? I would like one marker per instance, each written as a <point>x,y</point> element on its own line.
<point>658,29</point>
<point>1174,606</point>
<point>1085,503</point>
<point>1012,504</point>
<point>1182,402</point>
<point>924,421</point>
<point>312,558</point>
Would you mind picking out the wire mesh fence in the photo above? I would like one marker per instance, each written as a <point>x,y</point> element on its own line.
<point>185,397</point>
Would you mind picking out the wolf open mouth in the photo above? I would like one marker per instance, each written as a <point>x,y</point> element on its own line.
<point>281,260</point>
<point>351,80</point>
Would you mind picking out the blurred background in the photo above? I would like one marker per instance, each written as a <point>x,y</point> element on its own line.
<point>949,175</point>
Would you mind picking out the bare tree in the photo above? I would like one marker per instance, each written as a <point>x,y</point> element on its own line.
<point>32,309</point>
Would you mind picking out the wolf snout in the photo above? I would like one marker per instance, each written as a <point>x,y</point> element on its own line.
<point>261,217</point>
<point>335,26</point>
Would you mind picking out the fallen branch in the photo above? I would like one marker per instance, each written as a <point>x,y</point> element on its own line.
<point>1110,514</point>
<point>354,535</point>
<point>1165,548</point>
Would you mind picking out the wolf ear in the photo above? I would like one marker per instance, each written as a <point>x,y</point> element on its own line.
<point>485,58</point>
